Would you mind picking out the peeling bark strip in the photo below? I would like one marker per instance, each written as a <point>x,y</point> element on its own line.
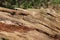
<point>12,28</point>
<point>14,11</point>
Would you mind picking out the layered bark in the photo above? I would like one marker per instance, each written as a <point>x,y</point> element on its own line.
<point>40,24</point>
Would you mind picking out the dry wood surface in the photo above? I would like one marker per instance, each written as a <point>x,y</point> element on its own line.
<point>29,24</point>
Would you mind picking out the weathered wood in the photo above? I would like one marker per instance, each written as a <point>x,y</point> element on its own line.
<point>42,24</point>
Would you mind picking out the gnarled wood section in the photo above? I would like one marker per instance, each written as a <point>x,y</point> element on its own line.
<point>40,24</point>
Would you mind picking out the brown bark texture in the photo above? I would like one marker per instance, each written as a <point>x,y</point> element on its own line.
<point>29,24</point>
